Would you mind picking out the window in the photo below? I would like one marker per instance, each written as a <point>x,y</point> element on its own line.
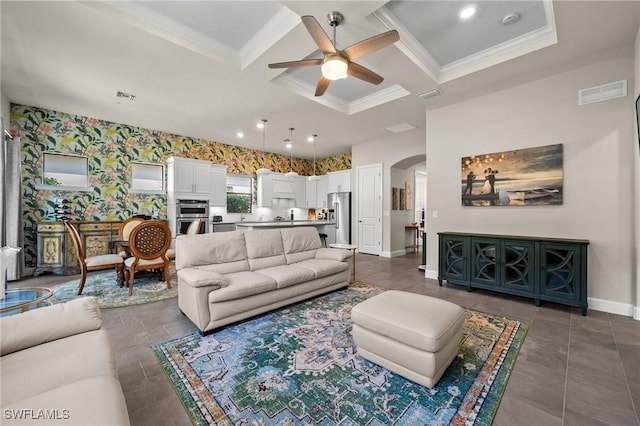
<point>146,177</point>
<point>65,170</point>
<point>239,193</point>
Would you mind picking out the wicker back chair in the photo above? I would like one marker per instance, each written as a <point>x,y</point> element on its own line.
<point>193,229</point>
<point>92,263</point>
<point>125,230</point>
<point>148,244</point>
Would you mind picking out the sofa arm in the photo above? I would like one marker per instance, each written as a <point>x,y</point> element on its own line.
<point>49,323</point>
<point>202,278</point>
<point>333,254</point>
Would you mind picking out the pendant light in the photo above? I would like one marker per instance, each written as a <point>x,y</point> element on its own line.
<point>313,177</point>
<point>291,173</point>
<point>263,170</point>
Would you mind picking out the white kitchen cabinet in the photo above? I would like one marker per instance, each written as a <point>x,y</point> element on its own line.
<point>339,181</point>
<point>300,188</point>
<point>322,189</point>
<point>188,178</point>
<point>265,190</point>
<point>317,192</point>
<point>218,195</point>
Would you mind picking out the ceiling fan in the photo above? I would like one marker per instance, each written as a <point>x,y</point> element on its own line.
<point>336,63</point>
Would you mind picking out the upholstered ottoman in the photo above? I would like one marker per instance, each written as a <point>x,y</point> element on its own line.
<point>412,335</point>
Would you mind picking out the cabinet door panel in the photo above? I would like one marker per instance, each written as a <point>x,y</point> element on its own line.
<point>516,268</point>
<point>559,271</point>
<point>455,258</point>
<point>484,266</point>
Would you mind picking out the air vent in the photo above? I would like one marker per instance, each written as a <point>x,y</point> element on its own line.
<point>128,96</point>
<point>399,128</point>
<point>430,93</point>
<point>617,89</point>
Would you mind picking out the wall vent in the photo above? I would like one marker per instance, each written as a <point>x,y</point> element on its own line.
<point>617,89</point>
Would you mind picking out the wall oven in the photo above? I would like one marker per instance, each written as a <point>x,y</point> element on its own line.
<point>189,210</point>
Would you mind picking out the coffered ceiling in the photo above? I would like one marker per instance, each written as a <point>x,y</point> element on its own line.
<point>200,68</point>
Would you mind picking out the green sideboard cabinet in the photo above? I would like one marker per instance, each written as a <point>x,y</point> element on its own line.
<point>544,269</point>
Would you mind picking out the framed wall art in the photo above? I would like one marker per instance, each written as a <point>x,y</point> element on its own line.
<point>394,198</point>
<point>522,177</point>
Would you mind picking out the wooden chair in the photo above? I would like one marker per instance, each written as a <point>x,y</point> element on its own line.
<point>148,244</point>
<point>193,229</point>
<point>123,234</point>
<point>92,263</point>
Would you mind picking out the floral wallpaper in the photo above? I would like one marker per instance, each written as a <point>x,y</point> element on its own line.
<point>111,148</point>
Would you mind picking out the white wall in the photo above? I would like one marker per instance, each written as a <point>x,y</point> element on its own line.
<point>636,311</point>
<point>598,170</point>
<point>387,151</point>
<point>5,110</point>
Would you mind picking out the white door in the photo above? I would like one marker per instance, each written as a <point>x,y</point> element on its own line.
<point>370,209</point>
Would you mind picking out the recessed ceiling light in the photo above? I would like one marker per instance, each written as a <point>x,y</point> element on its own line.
<point>240,134</point>
<point>467,12</point>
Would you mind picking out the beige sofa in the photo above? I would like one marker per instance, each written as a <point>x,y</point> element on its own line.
<point>58,367</point>
<point>230,276</point>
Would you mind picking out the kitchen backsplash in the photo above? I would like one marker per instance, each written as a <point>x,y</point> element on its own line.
<point>111,148</point>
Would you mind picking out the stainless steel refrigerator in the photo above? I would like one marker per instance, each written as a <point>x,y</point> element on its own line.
<point>339,205</point>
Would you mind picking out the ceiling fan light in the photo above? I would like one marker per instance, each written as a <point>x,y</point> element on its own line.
<point>334,67</point>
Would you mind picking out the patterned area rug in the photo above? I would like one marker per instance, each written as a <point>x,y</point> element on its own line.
<point>297,366</point>
<point>104,287</point>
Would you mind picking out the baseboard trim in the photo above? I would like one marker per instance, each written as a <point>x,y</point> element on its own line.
<point>396,253</point>
<point>636,313</point>
<point>625,309</point>
<point>428,273</point>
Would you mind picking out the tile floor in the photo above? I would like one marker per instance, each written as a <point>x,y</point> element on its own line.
<point>571,370</point>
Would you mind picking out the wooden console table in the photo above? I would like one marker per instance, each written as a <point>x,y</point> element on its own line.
<point>55,250</point>
<point>544,269</point>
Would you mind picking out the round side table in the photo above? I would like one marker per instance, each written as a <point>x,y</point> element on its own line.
<point>24,299</point>
<point>353,256</point>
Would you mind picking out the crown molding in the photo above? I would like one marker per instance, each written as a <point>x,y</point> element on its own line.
<point>378,98</point>
<point>534,40</point>
<point>277,27</point>
<point>169,29</point>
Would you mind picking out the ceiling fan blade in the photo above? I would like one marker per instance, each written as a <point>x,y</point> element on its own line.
<point>371,44</point>
<point>358,71</point>
<point>317,33</point>
<point>303,63</point>
<point>323,83</point>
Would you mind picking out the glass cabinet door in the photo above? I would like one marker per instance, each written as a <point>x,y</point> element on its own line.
<point>559,271</point>
<point>455,257</point>
<point>485,263</point>
<point>516,269</point>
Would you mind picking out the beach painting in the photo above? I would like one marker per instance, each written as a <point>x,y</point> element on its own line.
<point>522,177</point>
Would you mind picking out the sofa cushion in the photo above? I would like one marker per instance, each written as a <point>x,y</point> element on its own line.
<point>323,267</point>
<point>243,284</point>
<point>49,323</point>
<point>264,249</point>
<point>93,401</point>
<point>212,248</point>
<point>57,363</point>
<point>301,238</point>
<point>196,277</point>
<point>288,275</point>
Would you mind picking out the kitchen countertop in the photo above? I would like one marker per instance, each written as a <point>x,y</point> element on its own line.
<point>284,223</point>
